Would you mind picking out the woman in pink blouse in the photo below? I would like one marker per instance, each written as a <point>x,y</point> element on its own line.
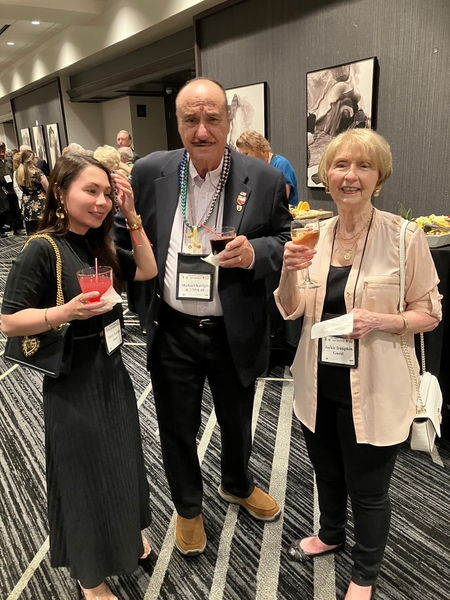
<point>355,403</point>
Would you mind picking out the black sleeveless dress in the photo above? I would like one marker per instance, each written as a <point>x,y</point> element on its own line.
<point>98,497</point>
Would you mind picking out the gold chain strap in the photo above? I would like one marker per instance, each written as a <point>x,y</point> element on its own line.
<point>50,240</point>
<point>30,343</point>
<point>420,408</point>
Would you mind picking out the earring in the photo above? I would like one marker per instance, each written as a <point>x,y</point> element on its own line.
<point>376,193</point>
<point>327,190</point>
<point>60,212</point>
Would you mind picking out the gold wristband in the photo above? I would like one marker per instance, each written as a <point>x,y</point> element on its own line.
<point>136,224</point>
<point>47,322</point>
<point>405,325</point>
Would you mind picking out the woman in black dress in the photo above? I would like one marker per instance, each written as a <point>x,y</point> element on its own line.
<point>33,184</point>
<point>98,500</point>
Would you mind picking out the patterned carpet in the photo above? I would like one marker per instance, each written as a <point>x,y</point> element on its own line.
<point>243,559</point>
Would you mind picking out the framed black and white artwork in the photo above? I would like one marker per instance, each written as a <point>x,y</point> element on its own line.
<point>338,98</point>
<point>39,143</point>
<point>248,110</point>
<point>54,146</point>
<point>25,138</point>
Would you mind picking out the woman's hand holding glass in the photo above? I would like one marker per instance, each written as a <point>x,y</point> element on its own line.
<point>305,235</point>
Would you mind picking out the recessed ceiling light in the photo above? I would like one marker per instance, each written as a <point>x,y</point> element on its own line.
<point>10,43</point>
<point>35,22</point>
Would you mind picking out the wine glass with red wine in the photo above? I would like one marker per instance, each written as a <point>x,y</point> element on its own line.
<point>220,238</point>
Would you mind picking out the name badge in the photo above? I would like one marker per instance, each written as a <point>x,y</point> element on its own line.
<point>195,278</point>
<point>7,178</point>
<point>113,336</point>
<point>339,351</point>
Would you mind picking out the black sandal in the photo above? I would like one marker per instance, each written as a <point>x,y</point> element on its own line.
<point>296,553</point>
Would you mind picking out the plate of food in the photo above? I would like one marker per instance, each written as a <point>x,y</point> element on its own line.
<point>304,211</point>
<point>436,228</point>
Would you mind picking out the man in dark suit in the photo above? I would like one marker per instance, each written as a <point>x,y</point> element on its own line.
<point>124,141</point>
<point>9,205</point>
<point>207,321</point>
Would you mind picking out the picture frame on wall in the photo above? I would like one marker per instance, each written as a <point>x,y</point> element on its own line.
<point>25,137</point>
<point>39,142</point>
<point>338,98</point>
<point>54,144</point>
<point>247,105</point>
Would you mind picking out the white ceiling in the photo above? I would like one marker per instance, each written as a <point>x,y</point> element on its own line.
<point>75,34</point>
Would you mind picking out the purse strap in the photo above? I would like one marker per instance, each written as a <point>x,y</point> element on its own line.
<point>51,241</point>
<point>420,408</point>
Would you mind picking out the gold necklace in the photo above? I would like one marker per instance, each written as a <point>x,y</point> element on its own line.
<point>347,252</point>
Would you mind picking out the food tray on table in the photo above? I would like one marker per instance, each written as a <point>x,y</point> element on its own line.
<point>311,214</point>
<point>438,239</point>
<point>437,230</point>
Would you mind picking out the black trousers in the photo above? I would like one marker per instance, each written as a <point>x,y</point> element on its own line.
<point>361,471</point>
<point>14,211</point>
<point>183,354</point>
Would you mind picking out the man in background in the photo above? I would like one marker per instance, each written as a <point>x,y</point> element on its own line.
<point>9,204</point>
<point>124,141</point>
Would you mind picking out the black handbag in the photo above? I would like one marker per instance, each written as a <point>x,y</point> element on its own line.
<point>49,352</point>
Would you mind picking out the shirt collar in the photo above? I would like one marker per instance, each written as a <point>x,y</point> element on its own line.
<point>212,176</point>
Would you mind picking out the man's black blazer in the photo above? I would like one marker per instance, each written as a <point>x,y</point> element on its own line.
<point>264,220</point>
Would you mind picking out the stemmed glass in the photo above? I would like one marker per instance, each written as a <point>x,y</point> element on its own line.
<point>306,232</point>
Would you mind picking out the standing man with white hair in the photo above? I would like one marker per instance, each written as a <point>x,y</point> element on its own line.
<point>124,141</point>
<point>219,330</point>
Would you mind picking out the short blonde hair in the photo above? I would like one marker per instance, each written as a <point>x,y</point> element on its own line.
<point>365,141</point>
<point>108,156</point>
<point>252,140</point>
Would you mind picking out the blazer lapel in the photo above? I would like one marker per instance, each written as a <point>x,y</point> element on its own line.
<point>167,190</point>
<point>237,194</point>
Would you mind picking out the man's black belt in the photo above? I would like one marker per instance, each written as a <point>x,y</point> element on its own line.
<point>192,320</point>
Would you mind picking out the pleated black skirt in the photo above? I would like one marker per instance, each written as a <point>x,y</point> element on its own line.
<point>98,497</point>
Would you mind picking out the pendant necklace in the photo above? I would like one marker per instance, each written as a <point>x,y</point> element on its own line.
<point>348,252</point>
<point>184,177</point>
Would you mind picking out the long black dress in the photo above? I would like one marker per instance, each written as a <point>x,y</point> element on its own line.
<point>98,497</point>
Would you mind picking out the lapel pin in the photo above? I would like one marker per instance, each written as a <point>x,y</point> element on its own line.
<point>241,200</point>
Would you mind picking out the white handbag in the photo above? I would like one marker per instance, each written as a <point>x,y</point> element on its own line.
<point>427,423</point>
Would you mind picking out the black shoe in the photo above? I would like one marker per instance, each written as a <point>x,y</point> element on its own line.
<point>296,553</point>
<point>19,232</point>
<point>3,235</point>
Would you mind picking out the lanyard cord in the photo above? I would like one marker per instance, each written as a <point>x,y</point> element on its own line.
<point>362,257</point>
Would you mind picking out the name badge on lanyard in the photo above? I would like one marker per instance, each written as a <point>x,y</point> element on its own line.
<point>112,334</point>
<point>195,278</point>
<point>338,351</point>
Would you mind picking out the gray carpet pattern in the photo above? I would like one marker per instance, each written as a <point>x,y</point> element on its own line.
<point>244,559</point>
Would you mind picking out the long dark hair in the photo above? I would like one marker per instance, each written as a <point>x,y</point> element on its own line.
<point>66,170</point>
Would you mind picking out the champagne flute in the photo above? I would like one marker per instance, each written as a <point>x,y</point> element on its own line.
<point>306,232</point>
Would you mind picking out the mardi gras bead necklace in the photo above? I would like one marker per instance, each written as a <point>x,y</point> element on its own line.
<point>184,177</point>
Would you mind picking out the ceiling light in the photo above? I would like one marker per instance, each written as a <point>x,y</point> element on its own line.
<point>35,22</point>
<point>10,43</point>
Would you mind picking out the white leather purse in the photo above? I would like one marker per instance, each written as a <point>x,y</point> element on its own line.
<point>427,423</point>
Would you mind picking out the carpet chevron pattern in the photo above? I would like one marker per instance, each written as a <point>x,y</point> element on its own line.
<point>244,559</point>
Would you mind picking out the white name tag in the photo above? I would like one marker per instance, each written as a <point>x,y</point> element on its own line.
<point>7,178</point>
<point>194,286</point>
<point>339,351</point>
<point>113,336</point>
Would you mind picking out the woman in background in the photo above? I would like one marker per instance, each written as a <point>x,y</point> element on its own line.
<point>98,498</point>
<point>252,143</point>
<point>33,185</point>
<point>354,396</point>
